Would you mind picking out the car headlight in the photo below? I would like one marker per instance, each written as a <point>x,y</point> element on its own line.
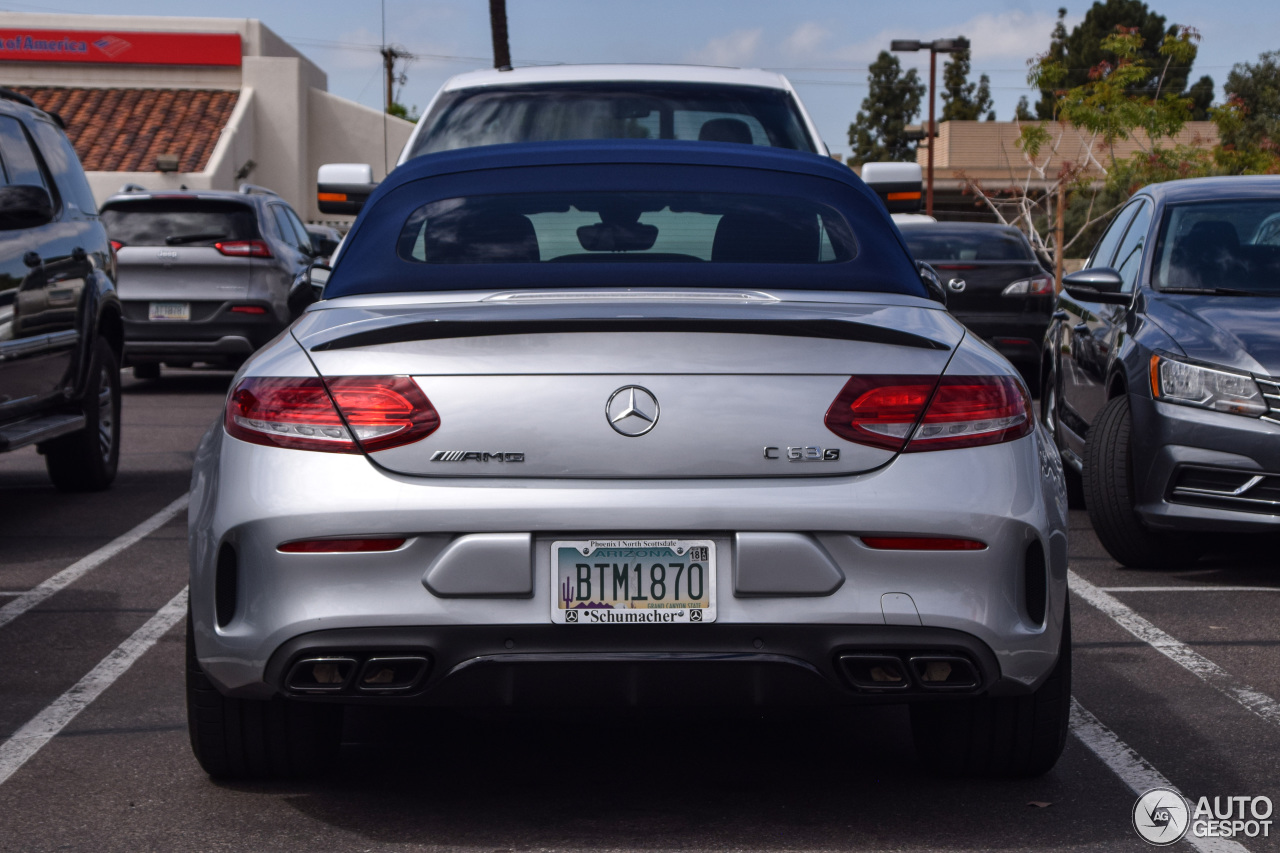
<point>1195,385</point>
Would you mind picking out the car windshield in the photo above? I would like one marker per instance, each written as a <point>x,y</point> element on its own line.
<point>1229,247</point>
<point>178,222</point>
<point>563,111</point>
<point>613,227</point>
<point>928,244</point>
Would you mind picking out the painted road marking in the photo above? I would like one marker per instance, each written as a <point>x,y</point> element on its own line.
<point>1190,588</point>
<point>1180,653</point>
<point>43,727</point>
<point>1134,770</point>
<point>72,573</point>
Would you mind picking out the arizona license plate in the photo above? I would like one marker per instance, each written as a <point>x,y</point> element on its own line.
<point>170,311</point>
<point>633,581</point>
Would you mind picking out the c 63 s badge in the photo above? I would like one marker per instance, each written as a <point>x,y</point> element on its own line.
<point>803,454</point>
<point>475,456</point>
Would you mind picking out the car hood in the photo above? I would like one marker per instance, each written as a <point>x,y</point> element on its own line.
<point>1235,331</point>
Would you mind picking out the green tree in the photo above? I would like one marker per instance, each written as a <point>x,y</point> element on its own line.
<point>1082,52</point>
<point>877,132</point>
<point>961,99</point>
<point>1251,117</point>
<point>1022,112</point>
<point>1201,97</point>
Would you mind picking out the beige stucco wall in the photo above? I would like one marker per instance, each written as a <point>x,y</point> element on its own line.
<point>345,132</point>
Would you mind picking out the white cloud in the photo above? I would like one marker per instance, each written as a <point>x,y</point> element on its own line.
<point>805,39</point>
<point>737,48</point>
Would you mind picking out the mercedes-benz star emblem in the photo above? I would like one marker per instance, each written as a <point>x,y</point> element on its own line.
<point>632,411</point>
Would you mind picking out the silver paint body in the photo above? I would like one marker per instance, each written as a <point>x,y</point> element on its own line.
<point>479,533</point>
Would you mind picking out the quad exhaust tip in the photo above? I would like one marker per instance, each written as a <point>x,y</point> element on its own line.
<point>895,673</point>
<point>338,674</point>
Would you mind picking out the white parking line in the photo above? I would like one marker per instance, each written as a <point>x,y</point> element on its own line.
<point>1190,588</point>
<point>1186,657</point>
<point>1134,770</point>
<point>44,726</point>
<point>72,573</point>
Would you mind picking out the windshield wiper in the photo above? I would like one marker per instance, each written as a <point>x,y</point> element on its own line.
<point>1216,291</point>
<point>179,239</point>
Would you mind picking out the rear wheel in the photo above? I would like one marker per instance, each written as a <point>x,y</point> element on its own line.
<point>86,461</point>
<point>1012,736</point>
<point>1110,495</point>
<point>254,738</point>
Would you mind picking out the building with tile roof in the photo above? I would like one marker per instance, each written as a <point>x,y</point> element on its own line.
<point>205,103</point>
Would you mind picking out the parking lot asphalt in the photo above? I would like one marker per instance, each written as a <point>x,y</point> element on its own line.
<point>1177,676</point>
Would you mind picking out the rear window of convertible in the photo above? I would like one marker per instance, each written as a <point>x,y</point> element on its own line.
<point>621,227</point>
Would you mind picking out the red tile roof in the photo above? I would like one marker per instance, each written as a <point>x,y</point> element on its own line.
<point>124,130</point>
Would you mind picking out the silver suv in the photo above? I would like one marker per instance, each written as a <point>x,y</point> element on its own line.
<point>204,276</point>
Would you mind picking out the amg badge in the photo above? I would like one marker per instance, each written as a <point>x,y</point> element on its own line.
<point>475,456</point>
<point>803,454</point>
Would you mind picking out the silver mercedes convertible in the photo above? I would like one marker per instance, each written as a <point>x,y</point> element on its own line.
<point>628,424</point>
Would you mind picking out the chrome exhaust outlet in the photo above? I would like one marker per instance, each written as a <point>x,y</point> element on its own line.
<point>321,675</point>
<point>398,674</point>
<point>944,672</point>
<point>879,673</point>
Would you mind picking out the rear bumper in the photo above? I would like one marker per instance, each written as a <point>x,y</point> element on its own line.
<point>714,664</point>
<point>223,336</point>
<point>1016,336</point>
<point>1182,439</point>
<point>247,499</point>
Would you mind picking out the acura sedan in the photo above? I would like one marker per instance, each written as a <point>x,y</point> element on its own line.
<point>1162,370</point>
<point>627,424</point>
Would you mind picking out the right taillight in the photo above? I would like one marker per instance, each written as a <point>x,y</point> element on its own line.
<point>913,414</point>
<point>378,412</point>
<point>244,248</point>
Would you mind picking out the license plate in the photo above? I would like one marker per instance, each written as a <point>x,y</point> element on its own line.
<point>180,311</point>
<point>633,581</point>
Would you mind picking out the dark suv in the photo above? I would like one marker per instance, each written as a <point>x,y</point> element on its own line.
<point>204,275</point>
<point>60,329</point>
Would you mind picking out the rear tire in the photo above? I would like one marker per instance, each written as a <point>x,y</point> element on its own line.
<point>254,738</point>
<point>1010,736</point>
<point>149,370</point>
<point>1109,494</point>
<point>86,461</point>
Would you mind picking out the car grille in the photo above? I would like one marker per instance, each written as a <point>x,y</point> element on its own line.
<point>1271,393</point>
<point>1222,488</point>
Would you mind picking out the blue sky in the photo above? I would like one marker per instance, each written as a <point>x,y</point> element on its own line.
<point>823,46</point>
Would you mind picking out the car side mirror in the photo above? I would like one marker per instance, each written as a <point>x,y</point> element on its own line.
<point>308,288</point>
<point>344,187</point>
<point>933,282</point>
<point>24,206</point>
<point>1096,284</point>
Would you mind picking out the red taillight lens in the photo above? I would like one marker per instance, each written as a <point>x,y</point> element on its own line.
<point>117,245</point>
<point>380,412</point>
<point>248,309</point>
<point>244,248</point>
<point>921,543</point>
<point>963,411</point>
<point>340,546</point>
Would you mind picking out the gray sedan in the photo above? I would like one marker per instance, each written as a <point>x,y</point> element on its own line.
<point>619,424</point>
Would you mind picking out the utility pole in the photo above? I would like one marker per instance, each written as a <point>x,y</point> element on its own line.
<point>498,26</point>
<point>1059,236</point>
<point>934,47</point>
<point>390,54</point>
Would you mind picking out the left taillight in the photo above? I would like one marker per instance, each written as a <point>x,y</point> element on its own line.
<point>1037,285</point>
<point>244,248</point>
<point>909,414</point>
<point>377,413</point>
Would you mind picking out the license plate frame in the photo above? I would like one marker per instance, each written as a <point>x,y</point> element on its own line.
<point>169,312</point>
<point>617,564</point>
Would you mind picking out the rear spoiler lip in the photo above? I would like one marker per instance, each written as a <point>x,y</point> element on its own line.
<point>474,325</point>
